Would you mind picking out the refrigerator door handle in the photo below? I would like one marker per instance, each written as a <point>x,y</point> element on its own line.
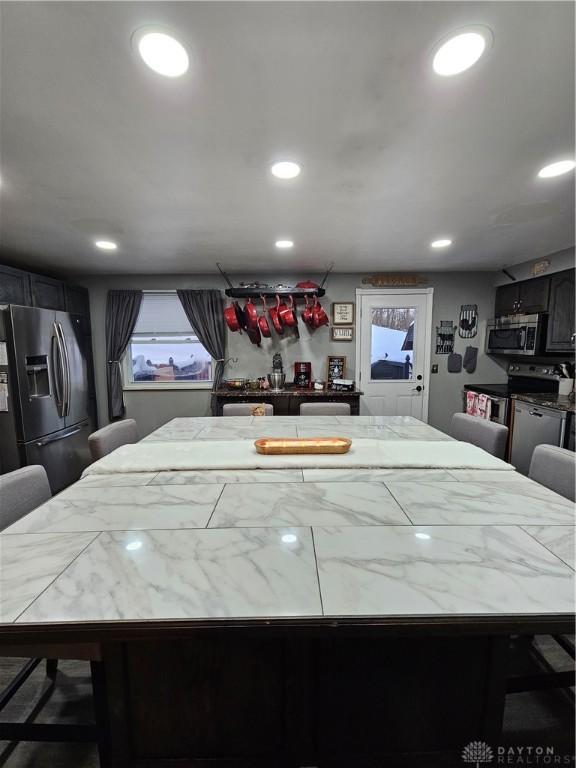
<point>48,440</point>
<point>65,371</point>
<point>57,370</point>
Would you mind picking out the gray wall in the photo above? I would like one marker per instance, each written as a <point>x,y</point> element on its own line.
<point>153,408</point>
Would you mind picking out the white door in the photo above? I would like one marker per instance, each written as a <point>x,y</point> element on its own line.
<point>393,351</point>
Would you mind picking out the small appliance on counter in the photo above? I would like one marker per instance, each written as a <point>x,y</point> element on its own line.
<point>303,375</point>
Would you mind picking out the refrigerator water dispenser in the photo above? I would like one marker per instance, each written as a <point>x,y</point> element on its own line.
<point>37,375</point>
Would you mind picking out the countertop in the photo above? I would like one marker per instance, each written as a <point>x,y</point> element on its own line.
<point>287,392</point>
<point>548,400</point>
<point>313,545</point>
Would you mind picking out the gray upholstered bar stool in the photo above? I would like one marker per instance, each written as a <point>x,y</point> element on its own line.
<point>324,409</point>
<point>105,440</point>
<point>488,435</point>
<point>21,492</point>
<point>246,409</point>
<point>555,468</point>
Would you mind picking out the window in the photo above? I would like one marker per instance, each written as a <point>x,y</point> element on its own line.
<point>392,343</point>
<point>164,351</point>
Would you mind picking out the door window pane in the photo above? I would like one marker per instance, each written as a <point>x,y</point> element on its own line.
<point>392,343</point>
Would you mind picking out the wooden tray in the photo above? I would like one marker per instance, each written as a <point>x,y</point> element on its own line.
<point>285,446</point>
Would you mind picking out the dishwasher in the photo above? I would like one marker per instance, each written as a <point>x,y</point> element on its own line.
<point>534,425</point>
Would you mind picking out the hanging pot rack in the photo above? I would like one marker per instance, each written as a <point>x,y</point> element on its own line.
<point>238,292</point>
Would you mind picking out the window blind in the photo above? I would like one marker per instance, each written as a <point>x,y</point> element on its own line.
<point>162,313</point>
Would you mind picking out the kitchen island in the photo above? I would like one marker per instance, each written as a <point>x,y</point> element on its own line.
<point>292,617</point>
<point>286,402</point>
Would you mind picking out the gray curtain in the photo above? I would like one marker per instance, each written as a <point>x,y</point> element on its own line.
<point>122,308</point>
<point>205,311</point>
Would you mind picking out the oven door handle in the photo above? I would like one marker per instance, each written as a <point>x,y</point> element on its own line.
<point>522,337</point>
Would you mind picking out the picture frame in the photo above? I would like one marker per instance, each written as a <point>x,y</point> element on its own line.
<point>342,334</point>
<point>342,313</point>
<point>336,368</point>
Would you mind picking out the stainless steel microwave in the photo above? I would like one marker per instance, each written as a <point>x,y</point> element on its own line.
<point>515,335</point>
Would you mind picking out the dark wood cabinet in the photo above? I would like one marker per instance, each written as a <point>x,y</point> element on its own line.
<point>287,402</point>
<point>47,293</point>
<point>560,335</point>
<point>78,303</point>
<point>14,286</point>
<point>533,295</point>
<point>506,299</point>
<point>526,297</point>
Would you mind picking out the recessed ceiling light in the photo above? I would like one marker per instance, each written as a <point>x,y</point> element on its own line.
<point>442,243</point>
<point>285,170</point>
<point>106,245</point>
<point>284,243</point>
<point>461,51</point>
<point>162,52</point>
<point>556,169</point>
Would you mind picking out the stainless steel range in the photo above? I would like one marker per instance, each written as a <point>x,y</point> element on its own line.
<point>522,378</point>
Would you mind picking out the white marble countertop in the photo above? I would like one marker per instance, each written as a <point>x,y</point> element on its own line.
<point>274,544</point>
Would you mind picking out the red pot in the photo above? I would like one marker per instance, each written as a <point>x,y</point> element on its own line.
<point>307,312</point>
<point>319,317</point>
<point>274,313</point>
<point>307,284</point>
<point>251,314</point>
<point>287,314</point>
<point>263,321</point>
<point>233,317</point>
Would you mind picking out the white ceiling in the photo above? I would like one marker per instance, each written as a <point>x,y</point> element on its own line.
<point>93,144</point>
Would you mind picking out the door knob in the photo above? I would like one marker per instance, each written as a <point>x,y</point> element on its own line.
<point>417,389</point>
<point>419,377</point>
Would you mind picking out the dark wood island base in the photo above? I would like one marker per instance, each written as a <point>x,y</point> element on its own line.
<point>288,695</point>
<point>287,402</point>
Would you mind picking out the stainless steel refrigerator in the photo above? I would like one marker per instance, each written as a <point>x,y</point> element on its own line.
<point>44,408</point>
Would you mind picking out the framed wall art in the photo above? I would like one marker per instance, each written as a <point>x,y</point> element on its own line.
<point>336,368</point>
<point>341,334</point>
<point>342,313</point>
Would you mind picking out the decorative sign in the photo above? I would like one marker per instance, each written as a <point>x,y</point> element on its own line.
<point>394,280</point>
<point>445,337</point>
<point>468,322</point>
<point>539,268</point>
<point>343,313</point>
<point>342,334</point>
<point>336,368</point>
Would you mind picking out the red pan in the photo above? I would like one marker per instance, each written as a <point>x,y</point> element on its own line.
<point>254,335</point>
<point>287,314</point>
<point>307,312</point>
<point>275,317</point>
<point>233,317</point>
<point>251,314</point>
<point>319,317</point>
<point>263,321</point>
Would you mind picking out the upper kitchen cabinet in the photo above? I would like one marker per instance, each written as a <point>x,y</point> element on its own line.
<point>534,295</point>
<point>47,293</point>
<point>14,286</point>
<point>526,297</point>
<point>78,303</point>
<point>560,336</point>
<point>506,299</point>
